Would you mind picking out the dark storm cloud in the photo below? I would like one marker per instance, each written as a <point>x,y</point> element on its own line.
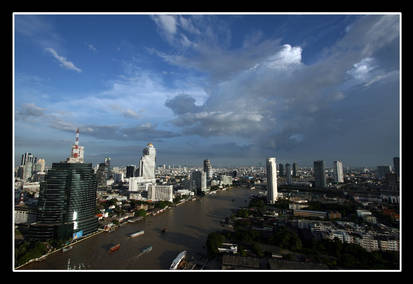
<point>281,103</point>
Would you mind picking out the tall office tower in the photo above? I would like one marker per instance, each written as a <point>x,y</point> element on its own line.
<point>288,173</point>
<point>67,202</point>
<point>272,193</point>
<point>319,174</point>
<point>147,162</point>
<point>281,168</point>
<point>130,171</point>
<point>338,171</point>
<point>198,182</point>
<point>382,171</point>
<point>108,167</point>
<point>76,156</point>
<point>27,157</point>
<point>27,170</point>
<point>396,166</point>
<point>208,169</point>
<point>294,169</point>
<point>39,166</point>
<point>101,175</point>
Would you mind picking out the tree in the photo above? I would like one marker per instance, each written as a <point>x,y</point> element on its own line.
<point>214,240</point>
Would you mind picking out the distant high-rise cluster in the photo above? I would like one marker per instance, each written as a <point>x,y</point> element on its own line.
<point>30,167</point>
<point>272,193</point>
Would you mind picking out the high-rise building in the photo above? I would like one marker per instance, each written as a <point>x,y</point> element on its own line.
<point>288,173</point>
<point>396,166</point>
<point>208,169</point>
<point>67,201</point>
<point>198,181</point>
<point>272,193</point>
<point>39,166</point>
<point>27,157</point>
<point>130,170</point>
<point>294,169</point>
<point>319,174</point>
<point>101,175</point>
<point>147,162</point>
<point>160,192</point>
<point>281,168</point>
<point>382,171</point>
<point>338,171</point>
<point>27,170</point>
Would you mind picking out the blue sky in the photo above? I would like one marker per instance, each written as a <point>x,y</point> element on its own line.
<point>234,89</point>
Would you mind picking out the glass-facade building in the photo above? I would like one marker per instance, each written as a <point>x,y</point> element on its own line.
<point>67,203</point>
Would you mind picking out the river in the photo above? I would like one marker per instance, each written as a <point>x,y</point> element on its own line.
<point>188,226</point>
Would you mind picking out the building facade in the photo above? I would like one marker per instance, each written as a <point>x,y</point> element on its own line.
<point>288,173</point>
<point>272,193</point>
<point>67,201</point>
<point>147,162</point>
<point>338,171</point>
<point>208,169</point>
<point>319,174</point>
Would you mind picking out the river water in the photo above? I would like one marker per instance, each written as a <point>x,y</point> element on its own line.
<point>188,226</point>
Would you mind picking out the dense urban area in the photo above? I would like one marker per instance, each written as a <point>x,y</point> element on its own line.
<point>300,218</point>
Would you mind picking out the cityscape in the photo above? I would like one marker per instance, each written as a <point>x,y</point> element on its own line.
<point>210,157</point>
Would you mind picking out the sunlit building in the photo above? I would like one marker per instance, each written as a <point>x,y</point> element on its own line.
<point>272,193</point>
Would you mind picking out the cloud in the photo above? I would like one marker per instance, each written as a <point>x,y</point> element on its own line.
<point>29,111</point>
<point>266,94</point>
<point>128,113</point>
<point>91,47</point>
<point>167,25</point>
<point>63,61</point>
<point>141,132</point>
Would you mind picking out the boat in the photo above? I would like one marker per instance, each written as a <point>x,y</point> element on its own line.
<point>175,263</point>
<point>137,234</point>
<point>65,249</point>
<point>147,249</point>
<point>114,248</point>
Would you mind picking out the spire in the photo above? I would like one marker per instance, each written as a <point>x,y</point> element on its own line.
<point>77,151</point>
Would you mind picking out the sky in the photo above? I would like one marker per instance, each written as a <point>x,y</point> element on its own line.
<point>231,88</point>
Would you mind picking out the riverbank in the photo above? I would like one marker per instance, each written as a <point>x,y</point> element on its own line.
<point>188,226</point>
<point>40,258</point>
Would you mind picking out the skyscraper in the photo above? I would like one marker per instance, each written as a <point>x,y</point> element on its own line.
<point>130,171</point>
<point>67,201</point>
<point>319,174</point>
<point>147,162</point>
<point>208,169</point>
<point>294,169</point>
<point>288,173</point>
<point>198,182</point>
<point>396,163</point>
<point>281,166</point>
<point>272,193</point>
<point>338,171</point>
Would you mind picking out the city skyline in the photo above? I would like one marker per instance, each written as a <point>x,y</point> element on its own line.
<point>233,89</point>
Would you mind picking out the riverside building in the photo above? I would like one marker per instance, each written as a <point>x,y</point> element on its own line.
<point>67,200</point>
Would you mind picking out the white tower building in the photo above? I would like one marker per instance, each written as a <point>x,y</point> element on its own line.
<point>147,162</point>
<point>338,171</point>
<point>272,193</point>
